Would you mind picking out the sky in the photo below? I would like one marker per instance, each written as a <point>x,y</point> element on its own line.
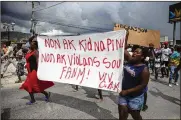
<point>91,17</point>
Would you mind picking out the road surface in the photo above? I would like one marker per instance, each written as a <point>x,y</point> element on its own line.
<point>163,102</point>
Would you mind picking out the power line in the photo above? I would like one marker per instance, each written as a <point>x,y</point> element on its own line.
<point>89,21</point>
<point>48,7</point>
<point>73,26</point>
<point>61,24</point>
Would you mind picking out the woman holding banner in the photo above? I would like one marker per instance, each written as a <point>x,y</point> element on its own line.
<point>32,84</point>
<point>135,80</point>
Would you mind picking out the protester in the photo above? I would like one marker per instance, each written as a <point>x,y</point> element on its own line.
<point>135,80</point>
<point>165,59</point>
<point>21,62</point>
<point>157,65</point>
<point>151,55</point>
<point>10,56</point>
<point>179,66</point>
<point>174,62</point>
<point>32,84</point>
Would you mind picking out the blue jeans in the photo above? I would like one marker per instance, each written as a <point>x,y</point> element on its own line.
<point>133,103</point>
<point>172,71</point>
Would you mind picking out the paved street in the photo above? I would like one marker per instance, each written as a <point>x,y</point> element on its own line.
<point>163,102</point>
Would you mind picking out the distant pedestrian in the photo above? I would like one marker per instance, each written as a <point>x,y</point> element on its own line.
<point>151,55</point>
<point>166,52</point>
<point>174,62</point>
<point>21,62</point>
<point>10,58</point>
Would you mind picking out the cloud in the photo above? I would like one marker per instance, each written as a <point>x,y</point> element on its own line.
<point>56,32</point>
<point>91,16</point>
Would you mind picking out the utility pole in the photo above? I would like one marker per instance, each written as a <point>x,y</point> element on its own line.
<point>174,27</point>
<point>32,16</point>
<point>33,24</point>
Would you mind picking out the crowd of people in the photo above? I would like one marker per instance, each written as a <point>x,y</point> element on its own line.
<point>162,60</point>
<point>139,63</point>
<point>13,54</point>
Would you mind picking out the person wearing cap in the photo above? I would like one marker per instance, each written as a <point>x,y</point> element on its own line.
<point>165,54</point>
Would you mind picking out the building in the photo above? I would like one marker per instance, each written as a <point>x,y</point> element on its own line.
<point>178,42</point>
<point>163,39</point>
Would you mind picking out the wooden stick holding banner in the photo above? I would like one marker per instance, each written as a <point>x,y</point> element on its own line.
<point>94,60</point>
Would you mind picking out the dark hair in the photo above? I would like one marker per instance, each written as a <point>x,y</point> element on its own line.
<point>19,45</point>
<point>135,47</point>
<point>36,44</point>
<point>24,50</point>
<point>144,53</point>
<point>31,39</point>
<point>151,45</point>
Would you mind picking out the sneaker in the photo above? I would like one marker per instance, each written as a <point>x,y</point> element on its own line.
<point>170,85</point>
<point>176,84</point>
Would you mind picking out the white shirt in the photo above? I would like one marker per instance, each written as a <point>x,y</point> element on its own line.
<point>9,52</point>
<point>165,54</point>
<point>19,53</point>
<point>157,62</point>
<point>131,53</point>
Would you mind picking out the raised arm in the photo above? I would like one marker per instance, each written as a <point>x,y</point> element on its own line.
<point>127,56</point>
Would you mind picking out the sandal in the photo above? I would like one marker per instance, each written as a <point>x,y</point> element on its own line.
<point>30,103</point>
<point>47,99</point>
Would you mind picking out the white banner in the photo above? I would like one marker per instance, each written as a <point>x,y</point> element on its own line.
<point>93,60</point>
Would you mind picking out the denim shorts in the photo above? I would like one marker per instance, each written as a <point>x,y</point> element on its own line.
<point>133,103</point>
